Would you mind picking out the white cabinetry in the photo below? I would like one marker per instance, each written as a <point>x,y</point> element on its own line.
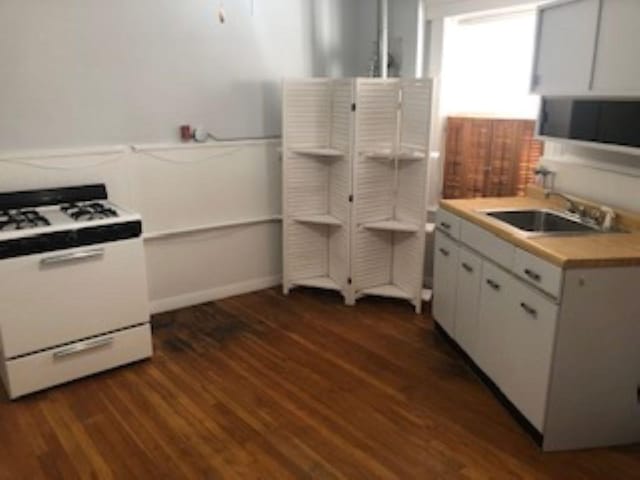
<point>547,337</point>
<point>567,34</point>
<point>467,299</point>
<point>587,47</point>
<point>445,281</point>
<point>617,68</point>
<point>528,350</point>
<point>496,288</point>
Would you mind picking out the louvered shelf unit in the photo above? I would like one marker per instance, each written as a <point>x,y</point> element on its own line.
<point>316,155</point>
<point>355,155</point>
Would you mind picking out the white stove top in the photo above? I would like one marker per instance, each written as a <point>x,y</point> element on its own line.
<point>59,220</point>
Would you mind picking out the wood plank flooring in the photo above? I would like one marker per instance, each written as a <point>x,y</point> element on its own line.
<point>273,387</point>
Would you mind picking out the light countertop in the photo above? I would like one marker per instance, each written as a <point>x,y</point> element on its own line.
<point>566,251</point>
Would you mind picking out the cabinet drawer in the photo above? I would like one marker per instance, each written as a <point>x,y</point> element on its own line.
<point>45,369</point>
<point>448,223</point>
<point>538,272</point>
<point>487,244</point>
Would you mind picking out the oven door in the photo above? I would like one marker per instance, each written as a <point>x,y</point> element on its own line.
<point>51,299</point>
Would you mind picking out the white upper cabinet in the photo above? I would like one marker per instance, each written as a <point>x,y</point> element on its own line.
<point>567,34</point>
<point>587,47</point>
<point>617,63</point>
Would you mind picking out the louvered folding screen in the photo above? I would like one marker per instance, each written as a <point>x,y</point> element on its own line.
<point>489,157</point>
<point>392,131</point>
<point>364,139</point>
<point>415,120</point>
<point>317,183</point>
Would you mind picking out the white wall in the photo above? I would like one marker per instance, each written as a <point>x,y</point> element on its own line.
<point>178,190</point>
<point>403,35</point>
<point>95,72</point>
<point>121,72</point>
<point>403,31</point>
<point>610,178</point>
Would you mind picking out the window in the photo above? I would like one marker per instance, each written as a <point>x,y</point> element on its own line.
<point>487,63</point>
<point>490,149</point>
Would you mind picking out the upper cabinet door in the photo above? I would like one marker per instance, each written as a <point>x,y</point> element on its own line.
<point>617,64</point>
<point>565,47</point>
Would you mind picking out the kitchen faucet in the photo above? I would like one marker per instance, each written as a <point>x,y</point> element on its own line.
<point>572,205</point>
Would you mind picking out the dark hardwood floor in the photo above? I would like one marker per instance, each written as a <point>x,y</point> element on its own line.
<point>263,386</point>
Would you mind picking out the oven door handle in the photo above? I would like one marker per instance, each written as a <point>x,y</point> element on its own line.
<point>83,347</point>
<point>72,257</point>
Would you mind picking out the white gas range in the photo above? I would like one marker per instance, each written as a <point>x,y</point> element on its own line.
<point>73,287</point>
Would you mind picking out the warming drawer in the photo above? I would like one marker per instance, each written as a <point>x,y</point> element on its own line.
<point>52,367</point>
<point>55,298</point>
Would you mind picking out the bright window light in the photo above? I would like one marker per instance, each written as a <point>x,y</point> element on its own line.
<point>487,66</point>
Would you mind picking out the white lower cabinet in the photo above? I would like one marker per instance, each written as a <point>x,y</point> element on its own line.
<point>445,282</point>
<point>467,300</point>
<point>560,344</point>
<point>528,350</point>
<point>493,317</point>
<point>503,324</point>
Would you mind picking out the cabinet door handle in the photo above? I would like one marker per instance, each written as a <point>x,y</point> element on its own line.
<point>467,267</point>
<point>72,257</point>
<point>83,347</point>
<point>445,252</point>
<point>529,309</point>
<point>493,284</point>
<point>445,225</point>
<point>532,275</point>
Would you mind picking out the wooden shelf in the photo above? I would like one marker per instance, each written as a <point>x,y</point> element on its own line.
<point>392,226</point>
<point>326,283</point>
<point>389,291</point>
<point>319,152</point>
<point>319,220</point>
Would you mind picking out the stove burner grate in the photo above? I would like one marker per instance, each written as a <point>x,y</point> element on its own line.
<point>21,219</point>
<point>88,211</point>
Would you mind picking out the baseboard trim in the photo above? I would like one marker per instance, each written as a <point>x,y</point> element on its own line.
<point>217,293</point>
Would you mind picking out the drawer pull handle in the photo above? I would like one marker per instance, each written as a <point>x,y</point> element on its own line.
<point>530,310</point>
<point>532,275</point>
<point>467,267</point>
<point>83,347</point>
<point>445,225</point>
<point>445,252</point>
<point>493,284</point>
<point>72,257</point>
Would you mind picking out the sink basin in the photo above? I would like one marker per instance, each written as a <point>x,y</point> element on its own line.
<point>541,221</point>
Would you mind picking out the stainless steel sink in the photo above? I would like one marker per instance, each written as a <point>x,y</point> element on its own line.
<point>541,221</point>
